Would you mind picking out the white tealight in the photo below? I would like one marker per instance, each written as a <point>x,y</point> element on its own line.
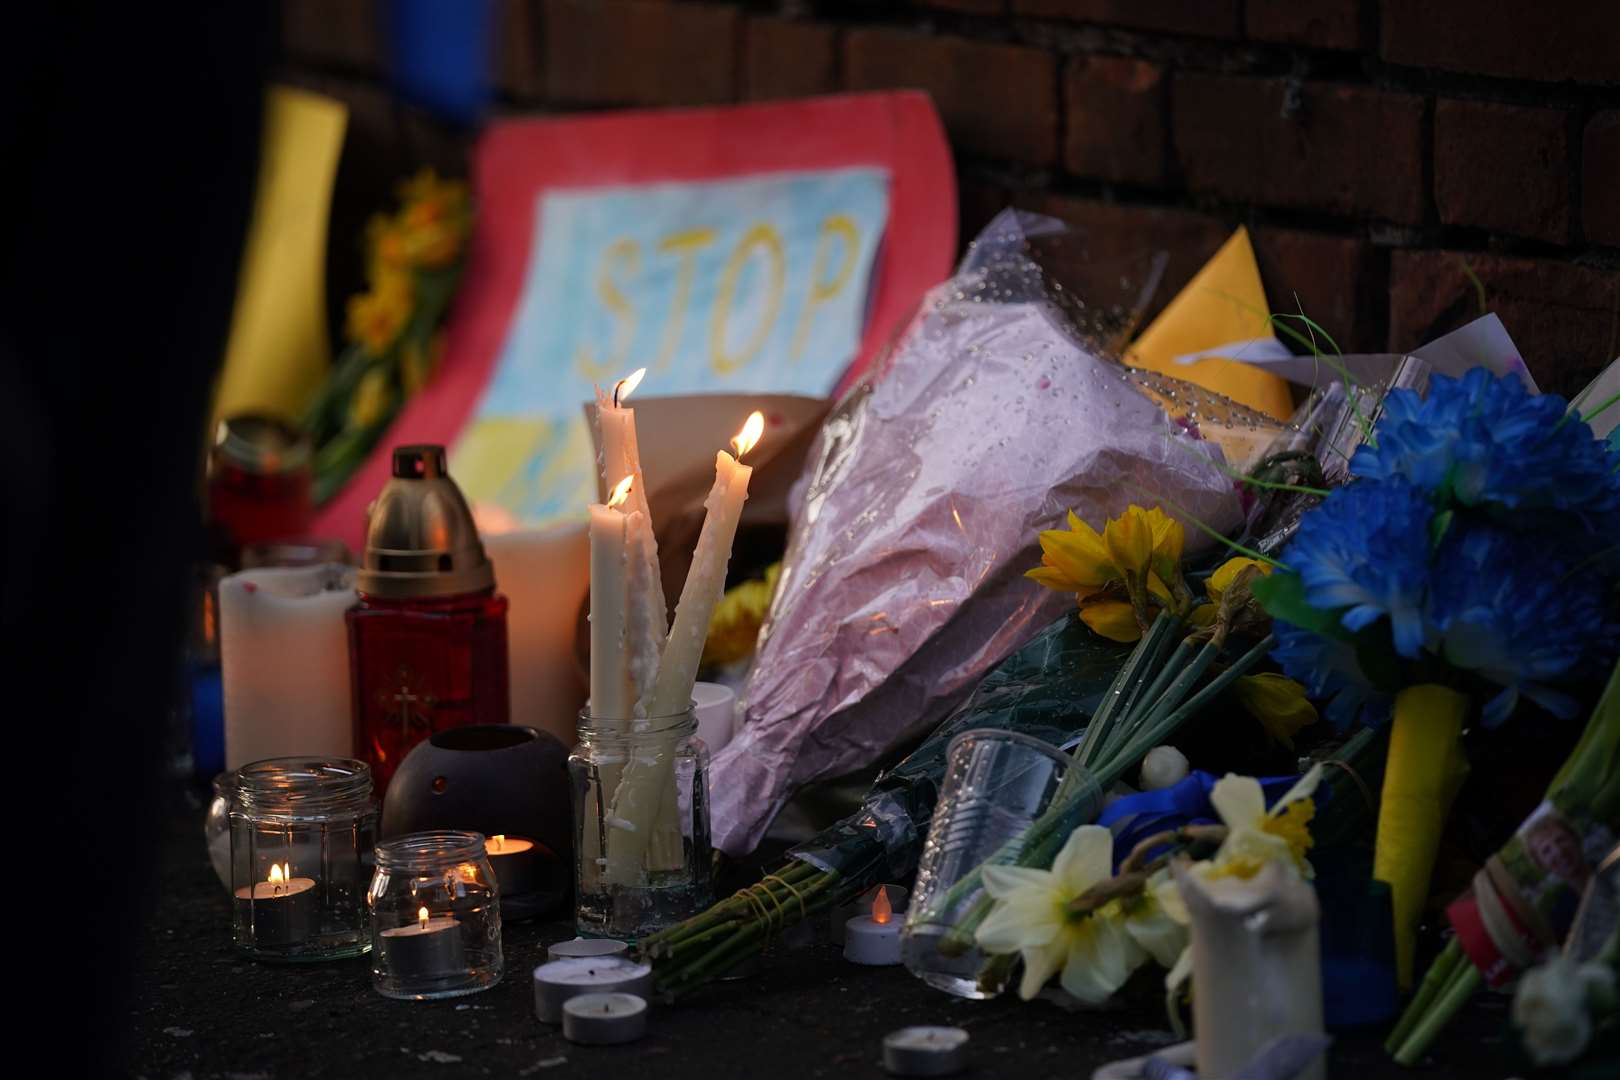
<point>925,1051</point>
<point>604,1019</point>
<point>586,947</point>
<point>868,941</point>
<point>1164,766</point>
<point>555,983</point>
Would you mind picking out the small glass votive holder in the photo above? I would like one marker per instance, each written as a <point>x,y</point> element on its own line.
<point>301,834</point>
<point>1003,793</point>
<point>641,824</point>
<point>435,917</point>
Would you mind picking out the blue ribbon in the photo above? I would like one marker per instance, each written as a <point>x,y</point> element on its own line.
<point>1183,803</point>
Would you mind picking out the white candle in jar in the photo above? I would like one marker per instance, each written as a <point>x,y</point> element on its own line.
<point>611,692</point>
<point>706,580</point>
<point>284,659</point>
<point>430,946</point>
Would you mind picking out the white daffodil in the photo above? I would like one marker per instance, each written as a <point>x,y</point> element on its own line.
<point>1097,950</point>
<point>1255,835</point>
<point>1552,1008</point>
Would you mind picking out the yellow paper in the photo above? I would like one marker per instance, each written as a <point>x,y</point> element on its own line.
<point>1421,777</point>
<point>278,351</point>
<point>1223,303</point>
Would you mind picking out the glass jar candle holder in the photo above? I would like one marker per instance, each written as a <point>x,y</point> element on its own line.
<point>641,824</point>
<point>435,916</point>
<point>1002,792</point>
<point>301,837</point>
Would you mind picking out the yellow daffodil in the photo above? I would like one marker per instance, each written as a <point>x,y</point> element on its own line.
<point>1129,540</point>
<point>1114,573</point>
<point>1096,950</point>
<point>1110,618</point>
<point>1278,702</point>
<point>376,318</point>
<point>1217,583</point>
<point>734,626</point>
<point>1074,560</point>
<point>372,397</point>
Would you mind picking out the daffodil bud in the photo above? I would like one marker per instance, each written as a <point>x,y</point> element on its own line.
<point>1163,767</point>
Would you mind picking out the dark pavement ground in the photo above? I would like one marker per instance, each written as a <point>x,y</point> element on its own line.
<point>203,1011</point>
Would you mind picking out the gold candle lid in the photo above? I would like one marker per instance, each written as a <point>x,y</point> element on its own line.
<point>421,539</point>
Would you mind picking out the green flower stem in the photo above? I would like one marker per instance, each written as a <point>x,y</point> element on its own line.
<point>1464,981</point>
<point>1113,698</point>
<point>1141,685</point>
<point>747,938</point>
<point>1160,693</point>
<point>1438,976</point>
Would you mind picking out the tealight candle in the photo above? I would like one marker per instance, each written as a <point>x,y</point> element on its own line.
<point>586,948</point>
<point>432,946</point>
<point>558,981</point>
<point>281,909</point>
<point>874,939</point>
<point>515,864</point>
<point>925,1051</point>
<point>604,1019</point>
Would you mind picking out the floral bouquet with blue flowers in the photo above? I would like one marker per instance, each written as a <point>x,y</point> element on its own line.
<point>1472,561</point>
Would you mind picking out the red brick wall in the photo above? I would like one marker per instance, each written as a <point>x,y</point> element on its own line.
<point>1389,156</point>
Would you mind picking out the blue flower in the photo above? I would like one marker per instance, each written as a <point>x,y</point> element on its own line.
<point>1328,670</point>
<point>1502,606</point>
<point>1487,442</point>
<point>1366,549</point>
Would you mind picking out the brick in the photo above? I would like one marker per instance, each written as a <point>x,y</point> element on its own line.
<point>1503,167</point>
<point>1113,233</point>
<point>638,52</point>
<point>1563,317</point>
<point>977,201</point>
<point>999,100</point>
<point>1199,18</point>
<point>1553,40</point>
<point>787,59</point>
<point>345,35</point>
<point>1116,119</point>
<point>1338,281</point>
<point>519,70</point>
<point>1345,149</point>
<point>1600,182</point>
<point>1318,24</point>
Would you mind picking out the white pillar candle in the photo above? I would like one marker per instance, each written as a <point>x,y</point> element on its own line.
<point>925,1051</point>
<point>559,980</point>
<point>611,693</point>
<point>604,1019</point>
<point>284,659</point>
<point>706,580</point>
<point>545,575</point>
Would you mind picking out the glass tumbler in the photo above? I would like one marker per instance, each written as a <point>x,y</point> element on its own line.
<point>435,916</point>
<point>641,824</point>
<point>1004,795</point>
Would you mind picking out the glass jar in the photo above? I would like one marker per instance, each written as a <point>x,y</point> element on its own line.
<point>641,824</point>
<point>435,916</point>
<point>217,827</point>
<point>302,831</point>
<point>1002,792</point>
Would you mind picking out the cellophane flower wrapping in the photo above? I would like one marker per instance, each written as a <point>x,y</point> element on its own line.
<point>998,409</point>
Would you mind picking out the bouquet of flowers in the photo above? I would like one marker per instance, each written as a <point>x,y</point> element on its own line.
<point>413,263</point>
<point>1469,562</point>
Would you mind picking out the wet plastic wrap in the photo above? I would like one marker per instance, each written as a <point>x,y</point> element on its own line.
<point>1048,689</point>
<point>997,411</point>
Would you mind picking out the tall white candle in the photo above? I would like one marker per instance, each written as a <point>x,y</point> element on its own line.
<point>284,658</point>
<point>619,455</point>
<point>706,580</point>
<point>612,695</point>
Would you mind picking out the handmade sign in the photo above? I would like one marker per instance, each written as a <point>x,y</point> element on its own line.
<point>764,248</point>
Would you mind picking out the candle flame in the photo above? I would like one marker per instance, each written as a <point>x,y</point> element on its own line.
<point>497,841</point>
<point>627,385</point>
<point>749,435</point>
<point>277,875</point>
<point>882,910</point>
<point>621,493</point>
<point>422,917</point>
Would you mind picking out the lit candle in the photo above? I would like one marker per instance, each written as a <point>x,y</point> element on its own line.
<point>281,909</point>
<point>706,580</point>
<point>560,980</point>
<point>612,694</point>
<point>514,862</point>
<point>647,620</point>
<point>430,946</point>
<point>604,1019</point>
<point>925,1051</point>
<point>874,939</point>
